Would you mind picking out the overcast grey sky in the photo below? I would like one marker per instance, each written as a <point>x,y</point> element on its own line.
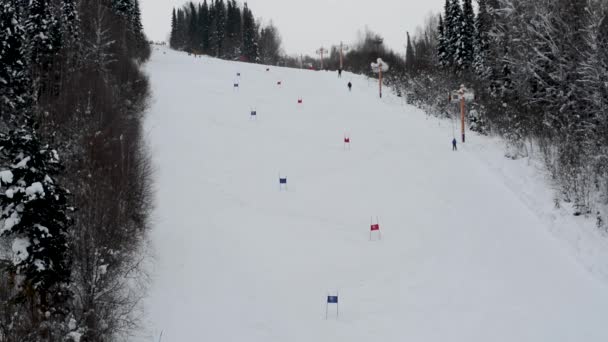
<point>308,25</point>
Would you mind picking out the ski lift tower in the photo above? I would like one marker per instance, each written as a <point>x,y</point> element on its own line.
<point>462,96</point>
<point>379,67</point>
<point>322,51</point>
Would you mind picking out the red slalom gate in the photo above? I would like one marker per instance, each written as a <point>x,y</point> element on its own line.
<point>374,227</point>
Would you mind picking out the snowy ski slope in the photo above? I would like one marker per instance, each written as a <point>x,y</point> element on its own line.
<point>462,257</point>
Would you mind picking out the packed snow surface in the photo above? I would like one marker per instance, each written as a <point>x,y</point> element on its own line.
<point>467,253</point>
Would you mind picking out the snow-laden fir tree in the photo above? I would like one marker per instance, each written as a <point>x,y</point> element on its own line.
<point>41,28</point>
<point>15,83</point>
<point>482,39</point>
<point>123,7</point>
<point>136,24</point>
<point>204,26</point>
<point>442,56</point>
<point>452,30</point>
<point>250,44</point>
<point>173,35</point>
<point>70,23</point>
<point>34,216</point>
<point>466,53</point>
<point>409,55</point>
<point>141,47</point>
<point>181,33</point>
<point>219,29</point>
<point>233,30</point>
<point>193,37</point>
<point>212,29</point>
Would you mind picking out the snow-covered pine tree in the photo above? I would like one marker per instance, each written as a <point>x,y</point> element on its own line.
<point>181,30</point>
<point>193,38</point>
<point>220,28</point>
<point>41,27</point>
<point>452,29</point>
<point>173,35</point>
<point>204,26</point>
<point>136,24</point>
<point>15,83</point>
<point>237,26</point>
<point>34,214</point>
<point>250,44</point>
<point>482,39</point>
<point>123,7</point>
<point>465,53</point>
<point>141,46</point>
<point>441,44</point>
<point>213,35</point>
<point>70,24</point>
<point>409,55</point>
<point>233,30</point>
<point>67,55</point>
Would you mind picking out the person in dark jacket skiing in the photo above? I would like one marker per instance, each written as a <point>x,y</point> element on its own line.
<point>350,85</point>
<point>339,73</point>
<point>454,148</point>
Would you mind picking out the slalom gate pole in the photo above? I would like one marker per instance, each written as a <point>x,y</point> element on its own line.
<point>462,109</point>
<point>338,305</point>
<point>380,79</point>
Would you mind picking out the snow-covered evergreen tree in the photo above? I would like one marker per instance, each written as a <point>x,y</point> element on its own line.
<point>452,30</point>
<point>442,56</point>
<point>219,30</point>
<point>233,30</point>
<point>71,35</point>
<point>173,34</point>
<point>193,37</point>
<point>250,44</point>
<point>137,28</point>
<point>15,83</point>
<point>123,7</point>
<point>409,55</point>
<point>213,35</point>
<point>34,215</point>
<point>465,52</point>
<point>70,22</point>
<point>181,32</point>
<point>204,23</point>
<point>482,39</point>
<point>41,28</point>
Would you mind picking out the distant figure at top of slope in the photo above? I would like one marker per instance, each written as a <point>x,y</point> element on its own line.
<point>339,73</point>
<point>350,86</point>
<point>454,148</point>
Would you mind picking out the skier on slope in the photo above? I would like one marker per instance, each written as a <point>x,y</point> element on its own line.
<point>454,148</point>
<point>339,73</point>
<point>350,85</point>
